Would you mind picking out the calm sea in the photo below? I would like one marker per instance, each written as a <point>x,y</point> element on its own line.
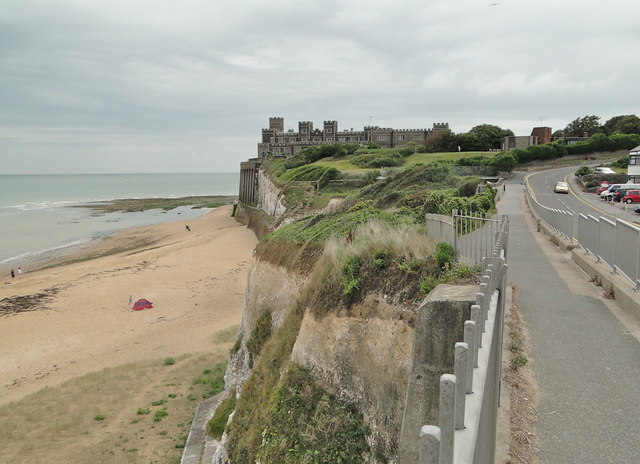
<point>37,218</point>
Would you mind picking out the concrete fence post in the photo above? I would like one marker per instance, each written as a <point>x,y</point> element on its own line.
<point>475,317</point>
<point>469,339</point>
<point>429,450</point>
<point>486,301</point>
<point>460,371</point>
<point>446,417</point>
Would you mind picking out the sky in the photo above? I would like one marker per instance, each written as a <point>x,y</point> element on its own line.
<point>186,86</point>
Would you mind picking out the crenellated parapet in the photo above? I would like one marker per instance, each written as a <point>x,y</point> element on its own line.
<point>278,142</point>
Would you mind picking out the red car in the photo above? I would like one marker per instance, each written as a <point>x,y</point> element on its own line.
<point>632,196</point>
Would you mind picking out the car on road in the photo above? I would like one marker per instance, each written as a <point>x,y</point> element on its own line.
<point>604,170</point>
<point>561,187</point>
<point>632,196</point>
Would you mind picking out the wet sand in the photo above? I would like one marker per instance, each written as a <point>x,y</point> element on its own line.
<point>82,320</point>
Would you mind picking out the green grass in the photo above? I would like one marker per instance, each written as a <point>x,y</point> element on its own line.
<point>344,164</point>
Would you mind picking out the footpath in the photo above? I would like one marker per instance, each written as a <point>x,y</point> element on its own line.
<point>585,361</point>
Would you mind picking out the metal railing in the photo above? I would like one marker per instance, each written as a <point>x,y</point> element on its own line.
<point>467,423</point>
<point>614,243</point>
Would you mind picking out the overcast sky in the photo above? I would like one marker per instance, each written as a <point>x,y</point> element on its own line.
<point>186,86</point>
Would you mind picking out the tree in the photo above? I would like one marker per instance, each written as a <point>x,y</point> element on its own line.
<point>579,126</point>
<point>490,136</point>
<point>625,124</point>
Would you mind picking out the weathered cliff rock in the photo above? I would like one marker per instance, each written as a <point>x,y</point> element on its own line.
<point>270,197</point>
<point>269,288</point>
<point>364,360</point>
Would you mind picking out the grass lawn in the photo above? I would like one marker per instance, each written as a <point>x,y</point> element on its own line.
<point>344,165</point>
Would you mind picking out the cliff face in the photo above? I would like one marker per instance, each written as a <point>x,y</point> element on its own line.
<point>270,199</point>
<point>361,357</point>
<point>364,359</point>
<point>269,289</point>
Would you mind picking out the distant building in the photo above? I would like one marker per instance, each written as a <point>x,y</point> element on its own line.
<point>518,142</point>
<point>277,141</point>
<point>543,134</point>
<point>633,171</point>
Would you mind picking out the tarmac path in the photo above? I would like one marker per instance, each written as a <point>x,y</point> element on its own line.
<point>585,361</point>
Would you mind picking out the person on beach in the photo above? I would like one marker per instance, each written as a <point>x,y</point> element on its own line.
<point>19,271</point>
<point>13,274</point>
<point>188,228</point>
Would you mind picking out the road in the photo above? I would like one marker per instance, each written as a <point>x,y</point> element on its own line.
<point>577,202</point>
<point>585,361</point>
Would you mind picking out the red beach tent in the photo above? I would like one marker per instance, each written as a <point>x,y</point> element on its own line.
<point>141,304</point>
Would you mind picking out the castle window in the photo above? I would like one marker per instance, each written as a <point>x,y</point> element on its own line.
<point>399,136</point>
<point>382,138</point>
<point>329,130</point>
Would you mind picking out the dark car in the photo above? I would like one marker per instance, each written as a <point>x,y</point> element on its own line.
<point>637,209</point>
<point>619,194</point>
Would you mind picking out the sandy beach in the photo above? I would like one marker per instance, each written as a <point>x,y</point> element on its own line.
<point>82,321</point>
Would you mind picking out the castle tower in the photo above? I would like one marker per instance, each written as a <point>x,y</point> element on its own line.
<point>330,131</point>
<point>305,128</point>
<point>276,124</point>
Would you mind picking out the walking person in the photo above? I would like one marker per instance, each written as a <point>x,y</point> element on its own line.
<point>13,274</point>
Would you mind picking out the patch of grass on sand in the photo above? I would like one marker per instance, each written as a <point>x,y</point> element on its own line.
<point>227,335</point>
<point>62,422</point>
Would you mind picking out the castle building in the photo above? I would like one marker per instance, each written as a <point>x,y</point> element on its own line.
<point>277,141</point>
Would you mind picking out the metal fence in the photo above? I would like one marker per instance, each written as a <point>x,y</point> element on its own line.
<point>466,432</point>
<point>614,243</point>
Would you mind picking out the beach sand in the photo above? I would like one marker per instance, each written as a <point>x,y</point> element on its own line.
<point>82,321</point>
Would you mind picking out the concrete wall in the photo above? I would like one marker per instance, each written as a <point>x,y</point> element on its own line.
<point>439,325</point>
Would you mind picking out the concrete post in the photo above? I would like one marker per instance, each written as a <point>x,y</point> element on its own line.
<point>476,316</point>
<point>446,417</point>
<point>460,371</point>
<point>484,289</point>
<point>429,444</point>
<point>480,302</point>
<point>469,339</point>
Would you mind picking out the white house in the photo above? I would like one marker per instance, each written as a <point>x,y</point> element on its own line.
<point>633,170</point>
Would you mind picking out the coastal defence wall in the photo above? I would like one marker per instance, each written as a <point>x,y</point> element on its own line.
<point>260,201</point>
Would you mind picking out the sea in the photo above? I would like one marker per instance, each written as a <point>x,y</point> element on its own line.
<point>40,217</point>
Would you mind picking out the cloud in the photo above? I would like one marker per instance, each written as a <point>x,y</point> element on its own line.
<point>102,84</point>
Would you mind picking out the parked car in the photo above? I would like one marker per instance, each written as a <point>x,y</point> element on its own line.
<point>561,187</point>
<point>608,194</point>
<point>604,170</point>
<point>604,186</point>
<point>637,209</point>
<point>632,196</point>
<point>621,192</point>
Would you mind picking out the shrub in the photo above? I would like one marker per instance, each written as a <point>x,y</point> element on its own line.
<point>445,254</point>
<point>379,259</point>
<point>350,277</point>
<point>143,411</point>
<point>169,361</point>
<point>583,170</point>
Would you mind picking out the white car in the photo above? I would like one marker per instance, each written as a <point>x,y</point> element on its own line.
<point>604,170</point>
<point>561,187</point>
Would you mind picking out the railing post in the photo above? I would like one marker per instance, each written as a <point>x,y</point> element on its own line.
<point>446,417</point>
<point>469,339</point>
<point>460,371</point>
<point>476,316</point>
<point>429,449</point>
